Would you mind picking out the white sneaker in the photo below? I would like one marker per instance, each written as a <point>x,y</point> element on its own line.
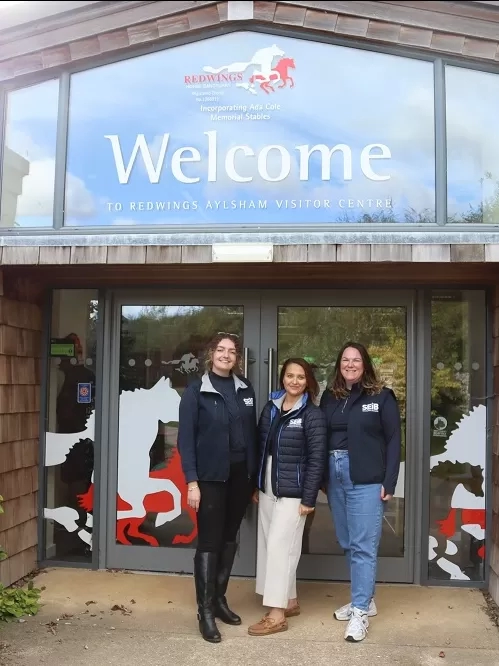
<point>357,627</point>
<point>345,612</point>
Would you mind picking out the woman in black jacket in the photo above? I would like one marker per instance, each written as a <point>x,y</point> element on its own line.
<point>364,444</point>
<point>217,443</point>
<point>292,432</point>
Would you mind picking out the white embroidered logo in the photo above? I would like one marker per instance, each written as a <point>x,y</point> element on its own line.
<point>248,402</point>
<point>295,423</point>
<point>371,407</point>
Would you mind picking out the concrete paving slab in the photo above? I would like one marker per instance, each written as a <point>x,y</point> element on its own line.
<point>157,623</point>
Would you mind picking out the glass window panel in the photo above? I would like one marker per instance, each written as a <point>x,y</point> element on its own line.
<point>458,436</point>
<point>472,146</point>
<point>335,135</point>
<point>158,343</point>
<point>317,334</point>
<point>69,438</point>
<point>29,156</point>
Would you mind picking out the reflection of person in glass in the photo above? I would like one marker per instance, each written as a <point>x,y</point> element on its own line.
<point>292,432</point>
<point>217,444</point>
<point>364,440</point>
<point>72,415</point>
<point>76,471</point>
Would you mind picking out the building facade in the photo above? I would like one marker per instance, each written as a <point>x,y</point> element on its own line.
<point>297,173</point>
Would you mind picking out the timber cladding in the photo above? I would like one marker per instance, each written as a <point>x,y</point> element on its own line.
<point>20,352</point>
<point>52,255</point>
<point>470,30</point>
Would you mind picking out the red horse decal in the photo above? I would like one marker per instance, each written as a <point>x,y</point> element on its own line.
<point>448,526</point>
<point>159,502</point>
<point>279,73</point>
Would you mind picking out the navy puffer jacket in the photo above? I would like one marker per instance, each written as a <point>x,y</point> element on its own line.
<point>299,465</point>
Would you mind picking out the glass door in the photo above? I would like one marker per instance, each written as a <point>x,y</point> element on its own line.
<point>158,348</point>
<point>315,326</point>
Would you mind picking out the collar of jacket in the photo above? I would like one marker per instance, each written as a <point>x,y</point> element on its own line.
<point>207,386</point>
<point>278,398</point>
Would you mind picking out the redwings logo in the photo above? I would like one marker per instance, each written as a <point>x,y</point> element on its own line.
<point>265,75</point>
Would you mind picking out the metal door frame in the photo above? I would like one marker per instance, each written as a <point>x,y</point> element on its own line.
<point>175,559</point>
<point>333,567</point>
<point>260,334</point>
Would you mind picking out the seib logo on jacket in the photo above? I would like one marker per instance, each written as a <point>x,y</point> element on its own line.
<point>371,407</point>
<point>248,402</point>
<point>295,423</point>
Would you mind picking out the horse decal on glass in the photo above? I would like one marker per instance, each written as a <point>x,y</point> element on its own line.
<point>140,490</point>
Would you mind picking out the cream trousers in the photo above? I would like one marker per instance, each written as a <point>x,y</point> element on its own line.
<point>280,534</point>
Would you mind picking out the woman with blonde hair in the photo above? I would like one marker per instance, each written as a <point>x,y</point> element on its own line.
<point>217,443</point>
<point>364,443</point>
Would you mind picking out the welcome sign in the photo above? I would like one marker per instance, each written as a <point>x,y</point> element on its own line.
<point>250,128</point>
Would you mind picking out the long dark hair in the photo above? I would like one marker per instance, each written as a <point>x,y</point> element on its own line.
<point>213,344</point>
<point>369,381</point>
<point>312,387</point>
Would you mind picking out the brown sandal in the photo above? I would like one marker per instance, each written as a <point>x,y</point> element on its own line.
<point>292,612</point>
<point>267,626</point>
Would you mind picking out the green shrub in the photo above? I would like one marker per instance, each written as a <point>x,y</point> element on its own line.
<point>18,601</point>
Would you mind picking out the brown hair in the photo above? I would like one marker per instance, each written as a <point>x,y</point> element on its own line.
<point>369,382</point>
<point>213,344</point>
<point>312,386</point>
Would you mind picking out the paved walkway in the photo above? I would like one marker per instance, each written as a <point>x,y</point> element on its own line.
<point>154,623</point>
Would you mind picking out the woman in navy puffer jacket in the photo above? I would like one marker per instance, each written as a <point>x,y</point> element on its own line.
<point>293,454</point>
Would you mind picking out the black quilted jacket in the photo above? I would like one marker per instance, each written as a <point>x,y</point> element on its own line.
<point>299,465</point>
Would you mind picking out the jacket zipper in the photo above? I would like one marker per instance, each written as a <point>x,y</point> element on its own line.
<point>346,401</point>
<point>277,462</point>
<point>264,450</point>
<point>228,440</point>
<point>277,447</point>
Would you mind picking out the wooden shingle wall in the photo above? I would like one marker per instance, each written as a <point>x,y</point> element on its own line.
<point>20,350</point>
<point>442,27</point>
<point>18,255</point>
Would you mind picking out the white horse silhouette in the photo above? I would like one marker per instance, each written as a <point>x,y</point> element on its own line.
<point>263,59</point>
<point>140,412</point>
<point>466,444</point>
<point>59,444</point>
<point>185,364</point>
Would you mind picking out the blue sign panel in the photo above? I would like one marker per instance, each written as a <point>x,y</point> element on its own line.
<point>85,393</point>
<point>252,129</point>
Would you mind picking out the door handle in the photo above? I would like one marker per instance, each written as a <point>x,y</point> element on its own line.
<point>271,371</point>
<point>247,359</point>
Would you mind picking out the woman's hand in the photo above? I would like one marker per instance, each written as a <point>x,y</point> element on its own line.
<point>254,497</point>
<point>384,495</point>
<point>193,496</point>
<point>305,510</point>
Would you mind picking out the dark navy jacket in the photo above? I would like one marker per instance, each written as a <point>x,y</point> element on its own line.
<point>203,430</point>
<point>374,436</point>
<point>301,449</point>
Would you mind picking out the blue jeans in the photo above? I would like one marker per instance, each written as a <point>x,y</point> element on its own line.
<point>358,518</point>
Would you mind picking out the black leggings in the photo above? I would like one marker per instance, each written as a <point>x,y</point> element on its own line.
<point>222,509</point>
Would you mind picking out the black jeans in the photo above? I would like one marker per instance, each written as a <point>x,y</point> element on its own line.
<point>222,508</point>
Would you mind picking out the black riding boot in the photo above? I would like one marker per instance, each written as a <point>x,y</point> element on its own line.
<point>225,562</point>
<point>205,576</point>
